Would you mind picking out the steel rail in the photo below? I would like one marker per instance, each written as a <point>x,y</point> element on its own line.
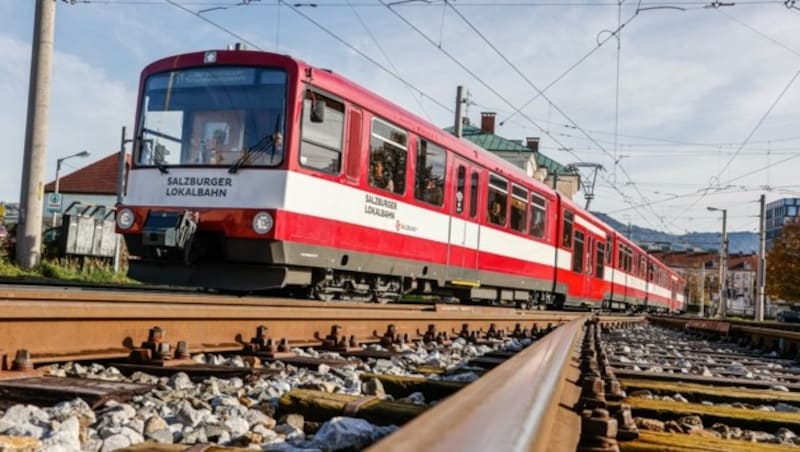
<point>511,408</point>
<point>59,330</point>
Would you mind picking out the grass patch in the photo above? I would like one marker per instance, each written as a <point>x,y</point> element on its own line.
<point>89,271</point>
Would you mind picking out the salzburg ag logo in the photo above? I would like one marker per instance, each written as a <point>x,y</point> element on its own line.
<point>404,227</point>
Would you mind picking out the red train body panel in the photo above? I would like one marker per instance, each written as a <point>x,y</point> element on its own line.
<point>258,171</point>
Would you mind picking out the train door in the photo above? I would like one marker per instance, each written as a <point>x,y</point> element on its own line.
<point>579,261</point>
<point>589,270</point>
<point>462,258</point>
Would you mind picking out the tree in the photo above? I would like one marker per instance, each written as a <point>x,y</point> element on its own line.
<point>783,264</point>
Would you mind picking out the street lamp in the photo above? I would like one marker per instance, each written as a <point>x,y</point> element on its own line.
<point>83,153</point>
<point>723,265</point>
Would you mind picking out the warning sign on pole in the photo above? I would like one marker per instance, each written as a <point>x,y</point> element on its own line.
<point>53,202</point>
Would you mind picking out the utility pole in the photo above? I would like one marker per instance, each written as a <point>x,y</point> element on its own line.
<point>703,289</point>
<point>29,231</point>
<point>459,125</point>
<point>121,179</point>
<point>761,274</point>
<point>723,288</point>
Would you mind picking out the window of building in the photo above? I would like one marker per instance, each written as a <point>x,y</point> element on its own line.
<point>569,218</point>
<point>538,212</point>
<point>321,143</point>
<point>577,256</point>
<point>498,200</point>
<point>429,177</point>
<point>519,208</point>
<point>388,148</point>
<point>473,195</point>
<point>600,260</point>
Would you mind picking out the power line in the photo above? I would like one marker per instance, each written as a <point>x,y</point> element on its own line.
<point>386,57</point>
<point>365,56</point>
<point>539,91</point>
<point>214,24</point>
<point>760,33</point>
<point>372,4</point>
<point>484,83</point>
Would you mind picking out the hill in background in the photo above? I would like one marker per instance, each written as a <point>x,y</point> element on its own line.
<point>740,242</point>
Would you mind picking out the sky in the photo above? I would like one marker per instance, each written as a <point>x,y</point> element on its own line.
<point>706,114</point>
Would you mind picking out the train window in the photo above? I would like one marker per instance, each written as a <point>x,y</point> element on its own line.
<point>388,147</point>
<point>601,259</point>
<point>429,179</point>
<point>577,256</point>
<point>460,187</point>
<point>609,251</point>
<point>473,195</point>
<point>566,240</point>
<point>538,210</point>
<point>321,144</point>
<point>498,200</point>
<point>642,267</point>
<point>519,208</point>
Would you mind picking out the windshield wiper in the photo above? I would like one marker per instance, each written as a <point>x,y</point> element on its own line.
<point>262,146</point>
<point>157,162</point>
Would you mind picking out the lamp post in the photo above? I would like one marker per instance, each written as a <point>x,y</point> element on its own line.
<point>723,255</point>
<point>83,153</point>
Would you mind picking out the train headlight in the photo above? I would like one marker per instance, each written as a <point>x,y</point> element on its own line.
<point>125,218</point>
<point>262,222</point>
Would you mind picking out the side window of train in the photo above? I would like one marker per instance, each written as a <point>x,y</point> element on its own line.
<point>498,200</point>
<point>566,240</point>
<point>519,208</point>
<point>609,251</point>
<point>577,256</point>
<point>473,194</point>
<point>388,149</point>
<point>429,177</point>
<point>461,185</point>
<point>321,143</point>
<point>538,211</point>
<point>600,260</point>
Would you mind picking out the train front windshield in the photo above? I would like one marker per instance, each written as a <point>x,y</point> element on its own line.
<point>213,116</point>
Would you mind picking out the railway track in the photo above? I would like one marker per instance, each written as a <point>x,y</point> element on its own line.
<point>277,373</point>
<point>122,353</point>
<point>692,384</point>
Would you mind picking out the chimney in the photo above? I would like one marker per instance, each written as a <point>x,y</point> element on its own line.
<point>532,143</point>
<point>487,122</point>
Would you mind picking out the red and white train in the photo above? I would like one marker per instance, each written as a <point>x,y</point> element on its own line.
<point>257,171</point>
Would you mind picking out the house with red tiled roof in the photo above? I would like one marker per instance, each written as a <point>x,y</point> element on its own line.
<point>93,184</point>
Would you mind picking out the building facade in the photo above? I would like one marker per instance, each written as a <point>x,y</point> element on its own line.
<point>525,156</point>
<point>779,213</point>
<point>94,184</point>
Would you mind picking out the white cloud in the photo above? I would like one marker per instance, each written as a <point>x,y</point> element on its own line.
<point>87,109</point>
